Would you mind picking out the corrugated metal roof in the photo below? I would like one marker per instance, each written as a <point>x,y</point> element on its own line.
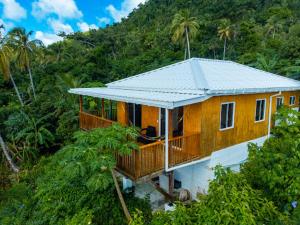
<point>151,98</point>
<point>215,76</point>
<point>191,81</point>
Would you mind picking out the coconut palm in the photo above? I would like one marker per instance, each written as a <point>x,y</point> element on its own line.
<point>24,47</point>
<point>184,29</point>
<point>225,32</point>
<point>5,53</point>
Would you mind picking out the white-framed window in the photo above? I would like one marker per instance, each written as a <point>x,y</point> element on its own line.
<point>260,111</point>
<point>227,115</point>
<point>279,102</point>
<point>292,100</point>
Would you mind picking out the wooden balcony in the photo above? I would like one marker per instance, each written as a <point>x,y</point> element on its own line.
<point>150,158</point>
<point>88,121</point>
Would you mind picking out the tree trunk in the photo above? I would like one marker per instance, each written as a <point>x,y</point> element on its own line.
<point>31,81</point>
<point>16,89</point>
<point>8,157</point>
<point>125,209</point>
<point>188,42</point>
<point>185,52</point>
<point>224,50</point>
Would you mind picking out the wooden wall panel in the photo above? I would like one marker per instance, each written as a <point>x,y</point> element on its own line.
<point>122,113</point>
<point>205,118</point>
<point>150,117</point>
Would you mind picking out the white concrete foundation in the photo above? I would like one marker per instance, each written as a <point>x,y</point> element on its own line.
<point>196,177</point>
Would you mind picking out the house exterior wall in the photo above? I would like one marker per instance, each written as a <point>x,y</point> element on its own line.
<point>204,117</point>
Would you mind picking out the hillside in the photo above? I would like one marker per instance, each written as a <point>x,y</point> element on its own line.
<point>41,132</point>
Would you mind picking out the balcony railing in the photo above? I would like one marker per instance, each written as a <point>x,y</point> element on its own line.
<point>88,121</point>
<point>150,158</point>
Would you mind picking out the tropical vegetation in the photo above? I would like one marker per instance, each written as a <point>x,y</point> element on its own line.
<point>51,174</point>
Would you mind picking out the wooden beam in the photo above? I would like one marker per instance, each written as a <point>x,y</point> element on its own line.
<point>171,182</point>
<point>163,192</point>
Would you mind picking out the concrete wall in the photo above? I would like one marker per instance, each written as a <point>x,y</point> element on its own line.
<point>196,177</point>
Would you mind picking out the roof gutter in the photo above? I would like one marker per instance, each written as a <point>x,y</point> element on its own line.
<point>270,112</point>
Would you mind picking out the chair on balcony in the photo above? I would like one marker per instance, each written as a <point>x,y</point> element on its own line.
<point>147,135</point>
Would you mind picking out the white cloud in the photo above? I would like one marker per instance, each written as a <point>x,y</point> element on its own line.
<point>103,20</point>
<point>7,25</point>
<point>126,7</point>
<point>62,8</point>
<point>47,38</point>
<point>13,10</point>
<point>59,26</point>
<point>83,26</point>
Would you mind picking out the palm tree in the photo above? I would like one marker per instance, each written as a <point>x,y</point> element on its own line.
<point>24,47</point>
<point>184,29</point>
<point>266,64</point>
<point>5,53</point>
<point>225,32</point>
<point>273,25</point>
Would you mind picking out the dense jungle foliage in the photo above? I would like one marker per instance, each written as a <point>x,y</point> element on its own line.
<point>38,117</point>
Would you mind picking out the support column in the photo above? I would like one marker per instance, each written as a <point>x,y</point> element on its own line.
<point>171,182</point>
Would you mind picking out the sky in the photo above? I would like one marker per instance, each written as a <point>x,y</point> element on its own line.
<point>49,17</point>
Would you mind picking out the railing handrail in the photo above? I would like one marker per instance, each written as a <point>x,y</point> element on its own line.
<point>98,117</point>
<point>163,141</point>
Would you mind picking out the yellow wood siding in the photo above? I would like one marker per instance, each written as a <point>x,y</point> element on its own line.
<point>122,113</point>
<point>205,117</point>
<point>150,117</point>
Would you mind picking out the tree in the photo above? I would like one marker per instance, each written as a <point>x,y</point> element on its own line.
<point>24,47</point>
<point>225,32</point>
<point>264,63</point>
<point>5,54</point>
<point>184,29</point>
<point>6,153</point>
<point>274,168</point>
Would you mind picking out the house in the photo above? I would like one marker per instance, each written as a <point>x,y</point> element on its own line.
<point>203,111</point>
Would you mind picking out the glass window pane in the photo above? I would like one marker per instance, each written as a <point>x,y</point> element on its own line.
<point>223,116</point>
<point>262,110</point>
<point>258,103</point>
<point>138,116</point>
<point>230,115</point>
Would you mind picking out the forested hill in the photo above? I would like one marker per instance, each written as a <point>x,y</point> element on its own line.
<point>265,34</point>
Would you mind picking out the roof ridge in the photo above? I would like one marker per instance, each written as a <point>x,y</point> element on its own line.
<point>198,75</point>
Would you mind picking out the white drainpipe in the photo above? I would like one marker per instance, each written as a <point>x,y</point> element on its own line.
<point>167,140</point>
<point>270,112</point>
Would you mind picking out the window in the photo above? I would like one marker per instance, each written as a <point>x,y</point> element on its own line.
<point>292,100</point>
<point>279,102</point>
<point>260,110</point>
<point>134,114</point>
<point>227,115</point>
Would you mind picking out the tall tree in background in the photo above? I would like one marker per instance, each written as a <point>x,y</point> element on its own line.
<point>24,47</point>
<point>5,53</point>
<point>184,29</point>
<point>224,33</point>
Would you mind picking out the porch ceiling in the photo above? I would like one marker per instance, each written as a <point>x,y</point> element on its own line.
<point>167,100</point>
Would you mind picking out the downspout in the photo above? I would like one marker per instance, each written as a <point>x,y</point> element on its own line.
<point>270,112</point>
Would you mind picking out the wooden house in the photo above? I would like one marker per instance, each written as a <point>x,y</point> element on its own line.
<point>200,112</point>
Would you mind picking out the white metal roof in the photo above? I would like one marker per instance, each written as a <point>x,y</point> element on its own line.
<point>191,81</point>
<point>151,98</point>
